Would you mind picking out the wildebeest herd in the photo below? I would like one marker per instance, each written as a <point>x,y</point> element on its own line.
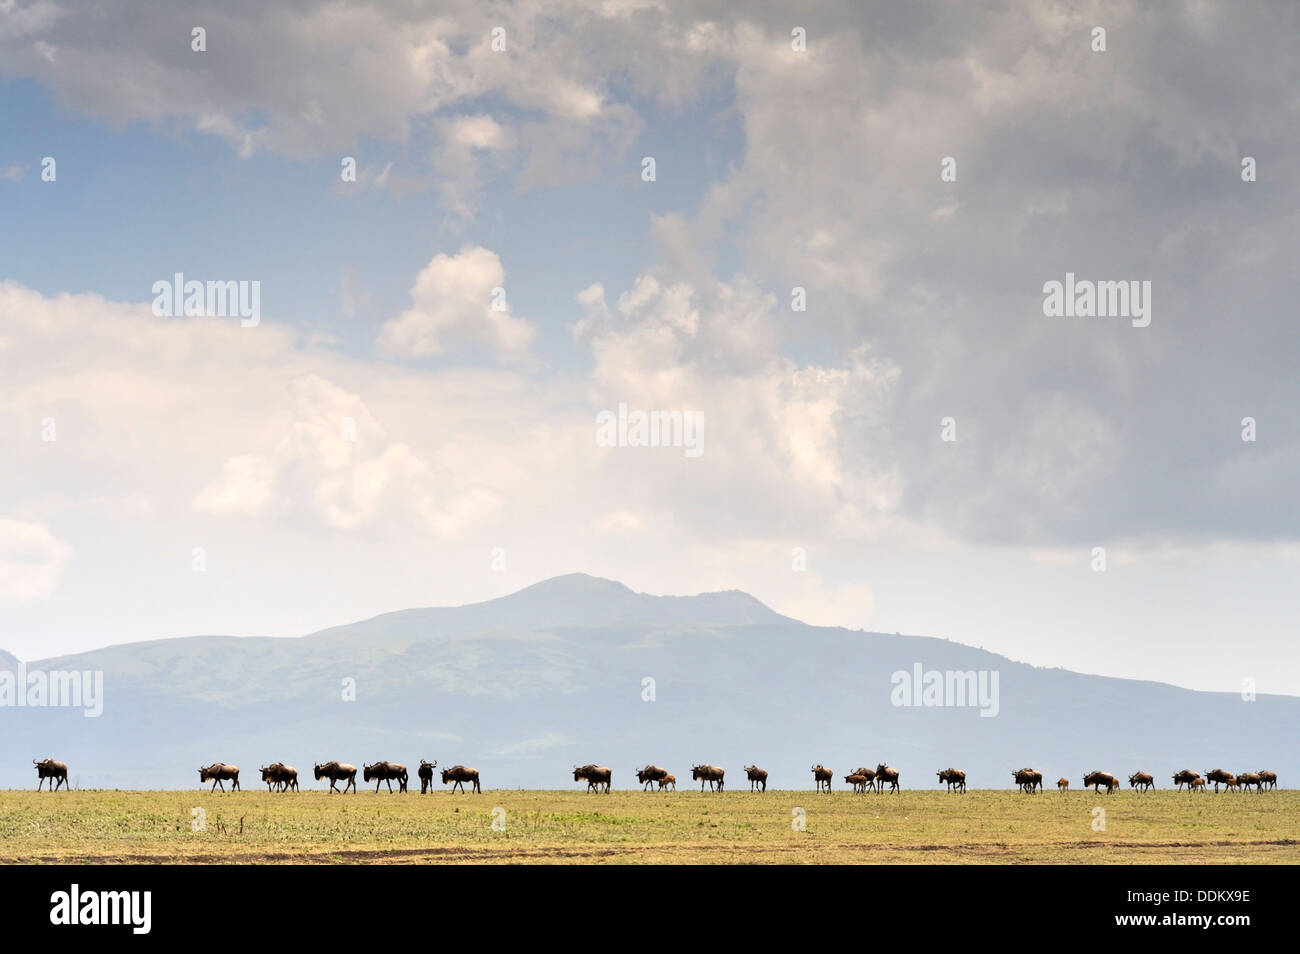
<point>283,778</point>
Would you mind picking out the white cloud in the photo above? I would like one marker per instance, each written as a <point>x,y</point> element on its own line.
<point>31,559</point>
<point>455,302</point>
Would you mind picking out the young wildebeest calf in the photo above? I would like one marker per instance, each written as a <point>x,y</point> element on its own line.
<point>56,772</point>
<point>1063,784</point>
<point>955,779</point>
<point>668,780</point>
<point>859,783</point>
<point>218,771</point>
<point>822,776</point>
<point>426,775</point>
<point>1196,785</point>
<point>868,774</point>
<point>757,778</point>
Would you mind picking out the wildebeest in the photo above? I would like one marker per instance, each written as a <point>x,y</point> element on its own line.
<point>1142,780</point>
<point>649,775</point>
<point>868,774</point>
<point>56,772</point>
<point>1247,779</point>
<point>1098,779</point>
<point>1029,780</point>
<point>859,783</point>
<point>1218,776</point>
<point>337,772</point>
<point>1196,785</point>
<point>1185,778</point>
<point>426,774</point>
<point>757,778</point>
<point>460,775</point>
<point>955,779</point>
<point>280,776</point>
<point>668,780</point>
<point>1063,785</point>
<point>886,774</point>
<point>389,772</point>
<point>219,771</point>
<point>1267,779</point>
<point>708,773</point>
<point>597,776</point>
<point>822,776</point>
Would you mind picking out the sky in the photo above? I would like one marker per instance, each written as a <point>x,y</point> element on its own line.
<point>839,265</point>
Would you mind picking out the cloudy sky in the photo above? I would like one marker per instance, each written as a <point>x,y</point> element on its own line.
<point>412,421</point>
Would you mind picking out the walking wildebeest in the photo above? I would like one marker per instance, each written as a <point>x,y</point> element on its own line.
<point>426,775</point>
<point>1267,779</point>
<point>389,772</point>
<point>757,778</point>
<point>1098,779</point>
<point>280,776</point>
<point>859,783</point>
<point>1196,785</point>
<point>1185,777</point>
<point>708,773</point>
<point>596,776</point>
<point>1142,780</point>
<point>955,779</point>
<point>1062,785</point>
<point>460,775</point>
<point>1029,780</point>
<point>822,776</point>
<point>1247,779</point>
<point>649,775</point>
<point>218,771</point>
<point>337,772</point>
<point>668,780</point>
<point>56,772</point>
<point>886,774</point>
<point>868,774</point>
<point>1218,776</point>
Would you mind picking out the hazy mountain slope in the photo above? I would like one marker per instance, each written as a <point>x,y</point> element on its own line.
<point>526,685</point>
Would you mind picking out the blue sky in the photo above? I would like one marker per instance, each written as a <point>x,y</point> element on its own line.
<point>383,432</point>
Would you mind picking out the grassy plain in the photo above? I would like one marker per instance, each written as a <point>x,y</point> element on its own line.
<point>572,827</point>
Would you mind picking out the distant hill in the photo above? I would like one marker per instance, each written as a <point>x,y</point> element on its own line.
<point>524,686</point>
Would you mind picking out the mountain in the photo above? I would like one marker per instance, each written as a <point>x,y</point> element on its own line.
<point>580,669</point>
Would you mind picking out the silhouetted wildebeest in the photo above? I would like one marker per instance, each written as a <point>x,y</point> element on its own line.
<point>219,771</point>
<point>1029,780</point>
<point>859,783</point>
<point>597,776</point>
<point>1196,785</point>
<point>757,778</point>
<point>426,775</point>
<point>460,775</point>
<point>1098,779</point>
<point>868,774</point>
<point>886,774</point>
<point>649,775</point>
<point>338,772</point>
<point>668,780</point>
<point>708,773</point>
<point>1185,778</point>
<point>1062,785</point>
<point>280,776</point>
<point>822,776</point>
<point>1144,781</point>
<point>1267,779</point>
<point>1248,779</point>
<point>56,772</point>
<point>1218,776</point>
<point>955,779</point>
<point>382,772</point>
